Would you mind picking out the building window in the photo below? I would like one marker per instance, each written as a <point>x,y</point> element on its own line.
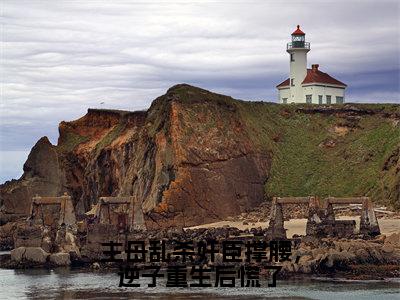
<point>284,100</point>
<point>292,82</point>
<point>291,57</point>
<point>339,100</point>
<point>328,99</point>
<point>319,99</point>
<point>308,98</point>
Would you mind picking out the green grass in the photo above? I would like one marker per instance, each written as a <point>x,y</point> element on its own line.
<point>71,140</point>
<point>301,167</point>
<point>110,137</point>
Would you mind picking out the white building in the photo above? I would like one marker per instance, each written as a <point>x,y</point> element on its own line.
<point>307,85</point>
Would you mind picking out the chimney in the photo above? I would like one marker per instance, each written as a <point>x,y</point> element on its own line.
<point>315,67</point>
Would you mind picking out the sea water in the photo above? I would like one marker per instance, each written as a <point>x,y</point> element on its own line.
<point>65,283</point>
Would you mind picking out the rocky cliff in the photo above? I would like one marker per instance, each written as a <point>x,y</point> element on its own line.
<point>196,156</point>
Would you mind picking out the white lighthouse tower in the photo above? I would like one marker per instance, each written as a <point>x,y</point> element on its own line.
<point>297,50</point>
<point>307,85</point>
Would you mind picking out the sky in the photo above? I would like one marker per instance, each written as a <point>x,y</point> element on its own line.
<point>58,58</point>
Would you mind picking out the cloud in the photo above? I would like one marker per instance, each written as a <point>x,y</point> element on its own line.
<point>61,57</point>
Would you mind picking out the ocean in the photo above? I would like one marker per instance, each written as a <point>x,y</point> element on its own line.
<point>66,283</point>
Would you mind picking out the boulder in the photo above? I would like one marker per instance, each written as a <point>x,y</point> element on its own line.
<point>35,254</point>
<point>306,268</point>
<point>47,244</point>
<point>362,255</point>
<point>302,251</point>
<point>387,248</point>
<point>375,255</point>
<point>60,259</point>
<point>393,240</point>
<point>345,245</point>
<point>379,239</point>
<point>304,259</point>
<point>29,254</point>
<point>17,254</point>
<point>318,251</point>
<point>296,268</point>
<point>348,256</point>
<point>288,267</point>
<point>95,266</point>
<point>306,264</point>
<point>335,258</point>
<point>320,257</point>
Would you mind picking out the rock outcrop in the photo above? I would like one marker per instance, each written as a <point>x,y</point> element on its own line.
<point>29,255</point>
<point>42,175</point>
<point>332,255</point>
<point>60,259</point>
<point>195,157</point>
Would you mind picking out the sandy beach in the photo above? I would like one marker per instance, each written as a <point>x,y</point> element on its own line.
<point>298,226</point>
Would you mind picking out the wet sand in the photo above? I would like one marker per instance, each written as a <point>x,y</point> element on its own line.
<point>298,226</point>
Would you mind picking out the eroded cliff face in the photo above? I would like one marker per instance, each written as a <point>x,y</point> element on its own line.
<point>196,157</point>
<point>188,158</point>
<point>208,167</point>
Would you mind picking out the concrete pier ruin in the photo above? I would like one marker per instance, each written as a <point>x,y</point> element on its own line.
<point>321,220</point>
<point>52,211</point>
<point>50,228</point>
<point>112,219</point>
<point>52,225</point>
<point>125,213</point>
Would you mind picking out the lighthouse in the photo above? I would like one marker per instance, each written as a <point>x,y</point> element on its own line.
<point>297,50</point>
<point>307,85</point>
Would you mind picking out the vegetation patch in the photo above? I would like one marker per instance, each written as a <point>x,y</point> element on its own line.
<point>71,140</point>
<point>351,166</point>
<point>110,137</point>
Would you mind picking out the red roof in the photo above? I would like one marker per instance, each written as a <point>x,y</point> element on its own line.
<point>284,83</point>
<point>298,31</point>
<point>316,76</point>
